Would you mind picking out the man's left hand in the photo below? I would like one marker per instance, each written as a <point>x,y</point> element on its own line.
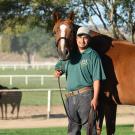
<point>94,103</point>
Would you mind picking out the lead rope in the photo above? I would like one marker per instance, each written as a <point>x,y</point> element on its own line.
<point>89,120</point>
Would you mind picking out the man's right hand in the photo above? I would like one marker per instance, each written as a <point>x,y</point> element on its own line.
<point>58,73</point>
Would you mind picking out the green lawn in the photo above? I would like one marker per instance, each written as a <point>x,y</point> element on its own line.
<point>32,82</point>
<point>120,130</point>
<point>34,98</point>
<point>40,98</point>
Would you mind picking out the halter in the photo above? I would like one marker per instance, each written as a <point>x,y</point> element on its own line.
<point>66,39</point>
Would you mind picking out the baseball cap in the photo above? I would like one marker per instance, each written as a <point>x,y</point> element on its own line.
<point>83,31</point>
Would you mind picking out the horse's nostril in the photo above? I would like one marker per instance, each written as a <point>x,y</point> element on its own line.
<point>66,52</point>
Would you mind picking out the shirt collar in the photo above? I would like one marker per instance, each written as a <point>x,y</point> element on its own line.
<point>88,50</point>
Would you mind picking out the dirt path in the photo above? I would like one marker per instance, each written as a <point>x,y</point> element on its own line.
<point>55,122</point>
<point>35,117</point>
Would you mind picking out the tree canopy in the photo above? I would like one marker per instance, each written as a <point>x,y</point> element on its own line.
<point>19,18</point>
<point>117,15</point>
<point>114,14</point>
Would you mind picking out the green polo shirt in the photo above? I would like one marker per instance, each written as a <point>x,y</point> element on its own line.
<point>82,69</point>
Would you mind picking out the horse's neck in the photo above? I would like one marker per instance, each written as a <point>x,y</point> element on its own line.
<point>94,33</point>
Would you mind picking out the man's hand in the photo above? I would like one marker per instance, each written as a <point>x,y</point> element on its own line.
<point>94,103</point>
<point>58,73</point>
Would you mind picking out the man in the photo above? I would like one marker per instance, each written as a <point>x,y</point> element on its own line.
<point>83,74</point>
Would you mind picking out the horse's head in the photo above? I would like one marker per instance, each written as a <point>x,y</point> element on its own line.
<point>64,35</point>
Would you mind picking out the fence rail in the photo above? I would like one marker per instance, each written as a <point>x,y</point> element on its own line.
<point>26,77</point>
<point>26,66</point>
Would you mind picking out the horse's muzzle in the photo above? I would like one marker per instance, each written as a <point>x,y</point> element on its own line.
<point>64,55</point>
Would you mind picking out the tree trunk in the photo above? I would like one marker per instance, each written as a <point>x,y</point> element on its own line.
<point>28,57</point>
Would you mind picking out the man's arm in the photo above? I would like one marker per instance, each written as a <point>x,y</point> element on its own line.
<point>59,68</point>
<point>94,101</point>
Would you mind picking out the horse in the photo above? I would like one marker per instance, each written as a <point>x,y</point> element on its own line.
<point>12,98</point>
<point>118,59</point>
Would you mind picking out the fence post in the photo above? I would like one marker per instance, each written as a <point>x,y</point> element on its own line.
<point>10,78</point>
<point>26,80</point>
<point>42,80</point>
<point>14,67</point>
<point>49,104</point>
<point>3,67</point>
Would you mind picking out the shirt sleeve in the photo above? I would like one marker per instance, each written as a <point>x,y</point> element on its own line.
<point>97,69</point>
<point>60,65</point>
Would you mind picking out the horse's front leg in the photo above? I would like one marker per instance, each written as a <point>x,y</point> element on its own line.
<point>110,116</point>
<point>100,117</point>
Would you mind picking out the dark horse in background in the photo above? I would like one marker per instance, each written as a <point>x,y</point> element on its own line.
<point>12,98</point>
<point>118,58</point>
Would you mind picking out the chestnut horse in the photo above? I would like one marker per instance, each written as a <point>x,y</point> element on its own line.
<point>118,58</point>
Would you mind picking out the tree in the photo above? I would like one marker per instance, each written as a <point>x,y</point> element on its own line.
<point>115,14</point>
<point>5,43</point>
<point>127,11</point>
<point>27,12</point>
<point>49,49</point>
<point>29,42</point>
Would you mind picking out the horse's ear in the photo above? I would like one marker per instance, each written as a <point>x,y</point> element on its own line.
<point>71,15</point>
<point>56,17</point>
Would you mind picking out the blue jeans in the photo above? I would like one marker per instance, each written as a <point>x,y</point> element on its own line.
<point>78,108</point>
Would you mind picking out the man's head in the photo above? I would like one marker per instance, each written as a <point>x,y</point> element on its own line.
<point>83,31</point>
<point>83,38</point>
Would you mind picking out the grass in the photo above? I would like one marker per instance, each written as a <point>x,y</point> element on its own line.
<point>34,98</point>
<point>120,130</point>
<point>32,82</point>
<point>40,98</point>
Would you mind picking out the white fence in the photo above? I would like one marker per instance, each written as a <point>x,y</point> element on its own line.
<point>48,65</point>
<point>26,77</point>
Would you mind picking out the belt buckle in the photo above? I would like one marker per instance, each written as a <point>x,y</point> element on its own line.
<point>71,93</point>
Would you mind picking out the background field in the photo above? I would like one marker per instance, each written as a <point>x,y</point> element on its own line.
<point>34,98</point>
<point>34,103</point>
<point>19,82</point>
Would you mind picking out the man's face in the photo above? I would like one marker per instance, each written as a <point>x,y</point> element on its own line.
<point>82,41</point>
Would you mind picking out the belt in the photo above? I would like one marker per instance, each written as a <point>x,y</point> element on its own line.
<point>79,91</point>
